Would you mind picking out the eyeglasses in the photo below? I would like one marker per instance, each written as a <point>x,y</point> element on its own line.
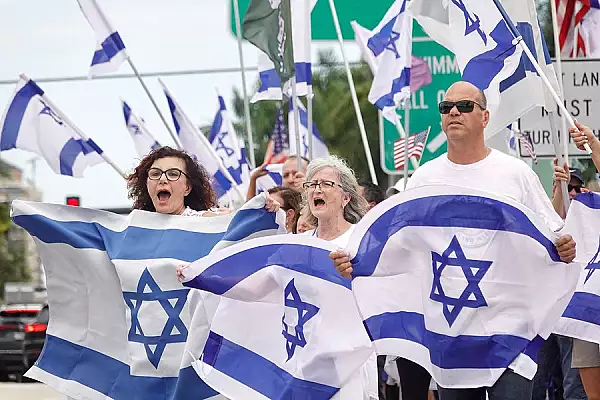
<point>576,188</point>
<point>324,185</point>
<point>463,106</point>
<point>172,174</point>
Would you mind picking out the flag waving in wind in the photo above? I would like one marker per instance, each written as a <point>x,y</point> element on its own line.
<point>31,122</point>
<point>319,146</point>
<point>268,26</point>
<point>110,50</point>
<point>142,139</point>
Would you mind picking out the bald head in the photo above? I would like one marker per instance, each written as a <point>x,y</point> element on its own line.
<point>468,88</point>
<point>465,127</point>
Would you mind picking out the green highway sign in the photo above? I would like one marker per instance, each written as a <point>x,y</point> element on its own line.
<point>424,110</point>
<point>366,13</point>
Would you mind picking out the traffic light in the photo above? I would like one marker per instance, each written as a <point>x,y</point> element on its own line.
<point>73,201</point>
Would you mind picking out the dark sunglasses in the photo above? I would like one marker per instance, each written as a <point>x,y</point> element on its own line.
<point>463,106</point>
<point>576,188</point>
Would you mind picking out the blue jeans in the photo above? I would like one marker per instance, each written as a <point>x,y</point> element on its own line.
<point>510,386</point>
<point>554,359</point>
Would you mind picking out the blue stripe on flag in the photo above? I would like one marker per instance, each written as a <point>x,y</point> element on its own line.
<point>14,115</point>
<point>462,211</point>
<point>397,85</point>
<point>584,307</point>
<point>70,151</point>
<point>590,200</point>
<point>258,373</point>
<point>595,4</point>
<point>448,352</point>
<point>525,65</point>
<point>269,78</point>
<point>277,178</point>
<point>134,243</point>
<point>173,110</point>
<point>216,127</point>
<point>112,377</point>
<point>111,46</point>
<point>248,221</point>
<point>228,272</point>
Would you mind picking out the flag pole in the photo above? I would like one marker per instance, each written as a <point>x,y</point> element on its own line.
<point>407,131</point>
<point>296,121</point>
<point>238,27</point>
<point>361,123</point>
<point>564,131</point>
<point>309,91</point>
<point>560,161</point>
<point>519,40</point>
<point>81,134</point>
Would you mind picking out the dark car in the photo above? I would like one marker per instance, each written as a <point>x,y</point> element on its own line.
<point>35,336</point>
<point>16,323</point>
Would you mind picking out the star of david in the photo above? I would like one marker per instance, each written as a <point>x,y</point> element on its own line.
<point>136,129</point>
<point>305,312</point>
<point>48,111</point>
<point>304,139</point>
<point>174,330</point>
<point>391,44</point>
<point>474,271</point>
<point>594,264</point>
<point>221,144</point>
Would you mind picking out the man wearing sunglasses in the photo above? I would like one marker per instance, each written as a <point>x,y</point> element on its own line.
<point>470,163</point>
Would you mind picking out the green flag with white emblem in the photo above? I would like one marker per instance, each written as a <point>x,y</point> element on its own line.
<point>268,26</point>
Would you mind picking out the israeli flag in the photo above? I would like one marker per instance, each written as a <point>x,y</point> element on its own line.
<point>121,325</point>
<point>227,145</point>
<point>110,50</point>
<point>273,178</point>
<point>458,302</point>
<point>581,319</point>
<point>319,146</point>
<point>390,44</point>
<point>476,33</point>
<point>142,138</point>
<point>32,122</point>
<point>196,144</point>
<point>270,84</point>
<point>310,339</point>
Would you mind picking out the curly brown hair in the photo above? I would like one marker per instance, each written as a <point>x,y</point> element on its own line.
<point>292,200</point>
<point>202,196</point>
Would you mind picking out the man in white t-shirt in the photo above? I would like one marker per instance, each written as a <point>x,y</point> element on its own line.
<point>470,163</point>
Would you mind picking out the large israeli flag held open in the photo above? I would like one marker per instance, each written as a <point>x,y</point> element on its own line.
<point>270,83</point>
<point>31,122</point>
<point>120,321</point>
<point>581,319</point>
<point>310,338</point>
<point>469,281</point>
<point>110,50</point>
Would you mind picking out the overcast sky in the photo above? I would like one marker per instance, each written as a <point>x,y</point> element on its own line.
<point>52,39</point>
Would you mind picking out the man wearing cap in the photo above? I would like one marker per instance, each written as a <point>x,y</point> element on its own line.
<point>575,186</point>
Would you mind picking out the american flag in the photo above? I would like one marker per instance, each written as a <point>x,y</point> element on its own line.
<point>416,145</point>
<point>278,147</point>
<point>569,14</point>
<point>526,142</point>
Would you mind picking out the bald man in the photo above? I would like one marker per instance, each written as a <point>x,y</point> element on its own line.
<point>470,163</point>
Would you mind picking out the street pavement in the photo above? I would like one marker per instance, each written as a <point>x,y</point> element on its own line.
<point>28,391</point>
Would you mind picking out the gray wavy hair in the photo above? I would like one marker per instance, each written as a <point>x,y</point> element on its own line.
<point>356,207</point>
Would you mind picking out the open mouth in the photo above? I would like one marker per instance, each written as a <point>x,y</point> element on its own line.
<point>163,196</point>
<point>319,202</point>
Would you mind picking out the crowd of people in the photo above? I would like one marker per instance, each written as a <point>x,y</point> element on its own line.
<point>324,199</point>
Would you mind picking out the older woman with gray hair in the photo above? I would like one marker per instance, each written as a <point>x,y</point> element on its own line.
<point>334,206</point>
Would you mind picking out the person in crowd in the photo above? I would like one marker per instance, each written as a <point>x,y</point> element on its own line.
<point>292,178</point>
<point>290,201</point>
<point>303,224</point>
<point>371,192</point>
<point>470,163</point>
<point>169,181</point>
<point>585,355</point>
<point>334,206</point>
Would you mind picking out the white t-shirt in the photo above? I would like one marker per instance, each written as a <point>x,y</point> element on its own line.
<point>499,174</point>
<point>341,241</point>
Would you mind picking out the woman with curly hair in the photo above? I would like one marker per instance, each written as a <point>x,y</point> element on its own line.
<point>169,181</point>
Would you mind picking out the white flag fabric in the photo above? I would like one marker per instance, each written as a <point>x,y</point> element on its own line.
<point>142,138</point>
<point>590,30</point>
<point>229,148</point>
<point>273,178</point>
<point>110,50</point>
<point>120,321</point>
<point>196,144</point>
<point>391,45</point>
<point>476,33</point>
<point>319,146</point>
<point>32,123</point>
<point>270,84</point>
<point>310,338</point>
<point>457,301</point>
<point>581,319</point>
